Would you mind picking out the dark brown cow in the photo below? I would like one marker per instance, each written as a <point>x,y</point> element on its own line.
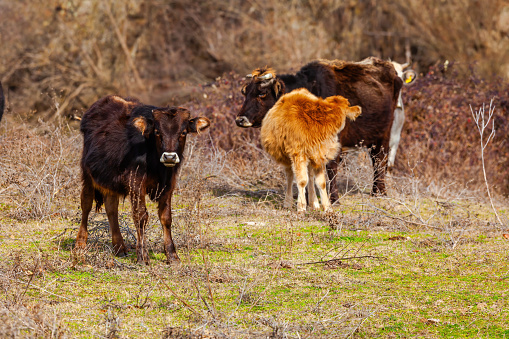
<point>372,84</point>
<point>132,149</point>
<point>2,102</point>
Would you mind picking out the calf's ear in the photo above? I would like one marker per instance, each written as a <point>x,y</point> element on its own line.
<point>197,125</point>
<point>144,125</point>
<point>353,112</point>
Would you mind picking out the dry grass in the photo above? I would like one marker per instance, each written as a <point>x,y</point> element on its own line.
<point>417,263</point>
<point>62,56</point>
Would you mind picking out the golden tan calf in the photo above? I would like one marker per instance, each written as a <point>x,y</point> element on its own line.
<point>301,132</point>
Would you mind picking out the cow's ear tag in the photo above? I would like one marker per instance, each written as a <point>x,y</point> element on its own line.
<point>409,76</point>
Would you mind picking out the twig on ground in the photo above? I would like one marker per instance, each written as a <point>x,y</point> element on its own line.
<point>340,259</point>
<point>387,214</point>
<point>360,323</point>
<point>191,308</point>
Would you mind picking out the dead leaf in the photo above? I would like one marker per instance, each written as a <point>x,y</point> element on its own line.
<point>339,264</point>
<point>281,264</point>
<point>432,321</point>
<point>398,237</point>
<point>505,235</point>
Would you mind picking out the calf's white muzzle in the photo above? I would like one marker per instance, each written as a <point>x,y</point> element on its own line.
<point>169,159</point>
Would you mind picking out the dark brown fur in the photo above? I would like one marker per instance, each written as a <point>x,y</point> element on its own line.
<point>372,84</point>
<point>123,144</point>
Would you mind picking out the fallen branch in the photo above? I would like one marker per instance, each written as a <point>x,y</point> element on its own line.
<point>386,214</point>
<point>340,259</point>
<point>191,308</point>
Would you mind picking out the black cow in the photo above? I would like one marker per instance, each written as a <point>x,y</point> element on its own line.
<point>132,149</point>
<point>372,84</point>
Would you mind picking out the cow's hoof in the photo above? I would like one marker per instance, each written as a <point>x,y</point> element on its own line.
<point>142,258</point>
<point>80,244</point>
<point>121,251</point>
<point>141,261</point>
<point>122,254</point>
<point>173,261</point>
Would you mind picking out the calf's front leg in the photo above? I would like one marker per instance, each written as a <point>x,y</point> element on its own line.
<point>164,211</point>
<point>313,199</point>
<point>289,188</point>
<point>140,218</point>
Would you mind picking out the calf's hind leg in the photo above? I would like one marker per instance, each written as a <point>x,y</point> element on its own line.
<point>111,206</point>
<point>87,200</point>
<point>321,182</point>
<point>300,168</point>
<point>313,199</point>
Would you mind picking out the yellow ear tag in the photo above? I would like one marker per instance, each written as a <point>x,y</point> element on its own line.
<point>409,79</point>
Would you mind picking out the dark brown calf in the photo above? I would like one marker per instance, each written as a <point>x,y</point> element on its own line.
<point>372,84</point>
<point>132,149</point>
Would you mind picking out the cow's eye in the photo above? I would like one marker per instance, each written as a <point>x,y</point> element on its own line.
<point>243,90</point>
<point>262,95</point>
<point>183,134</point>
<point>156,132</point>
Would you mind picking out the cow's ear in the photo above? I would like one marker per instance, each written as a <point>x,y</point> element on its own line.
<point>197,125</point>
<point>279,88</point>
<point>143,124</point>
<point>409,76</point>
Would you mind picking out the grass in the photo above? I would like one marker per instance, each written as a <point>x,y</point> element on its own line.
<point>246,272</point>
<point>412,264</point>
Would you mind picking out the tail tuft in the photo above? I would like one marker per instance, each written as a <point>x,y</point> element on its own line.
<point>99,200</point>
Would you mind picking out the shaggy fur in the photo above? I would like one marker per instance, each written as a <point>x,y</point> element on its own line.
<point>372,84</point>
<point>132,149</point>
<point>300,132</point>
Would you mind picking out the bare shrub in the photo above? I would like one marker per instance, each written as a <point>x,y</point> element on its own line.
<point>64,56</point>
<point>439,140</point>
<point>19,316</point>
<point>39,175</point>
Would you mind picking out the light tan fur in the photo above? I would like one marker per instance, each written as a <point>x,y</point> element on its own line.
<point>263,71</point>
<point>140,124</point>
<point>122,101</point>
<point>301,133</point>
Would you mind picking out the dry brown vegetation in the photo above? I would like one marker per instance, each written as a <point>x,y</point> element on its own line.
<point>429,260</point>
<point>60,56</point>
<point>415,263</point>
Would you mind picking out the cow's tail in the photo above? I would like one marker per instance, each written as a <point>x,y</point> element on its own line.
<point>99,200</point>
<point>2,101</point>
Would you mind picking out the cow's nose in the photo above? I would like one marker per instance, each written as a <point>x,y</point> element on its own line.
<point>243,121</point>
<point>169,159</point>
